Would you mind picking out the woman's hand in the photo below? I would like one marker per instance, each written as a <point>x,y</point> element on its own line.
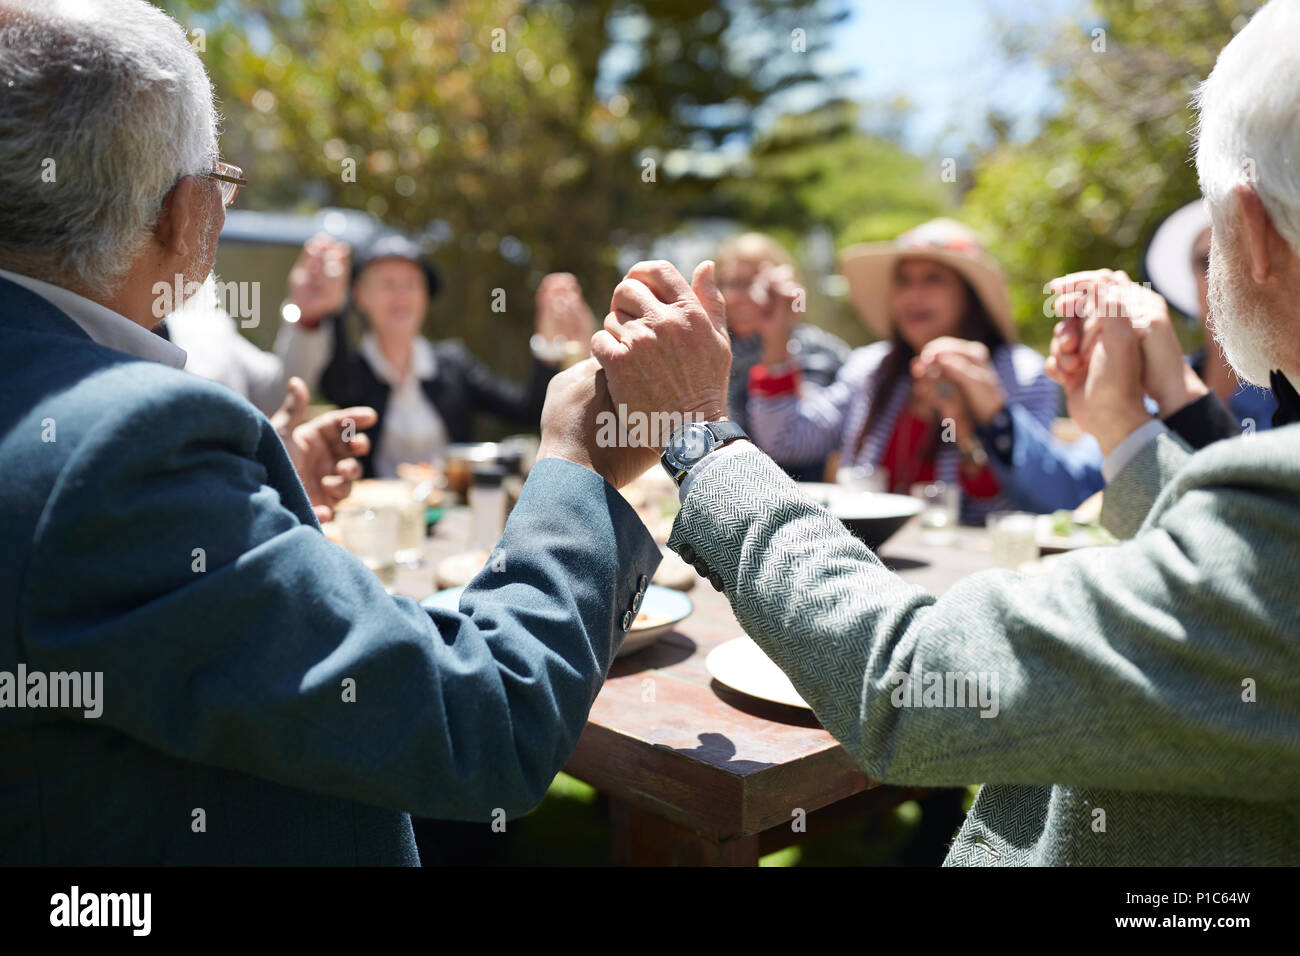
<point>936,394</point>
<point>967,367</point>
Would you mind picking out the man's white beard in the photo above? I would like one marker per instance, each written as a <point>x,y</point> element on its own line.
<point>1242,327</point>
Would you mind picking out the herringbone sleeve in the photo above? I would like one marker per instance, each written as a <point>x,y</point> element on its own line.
<point>1125,671</point>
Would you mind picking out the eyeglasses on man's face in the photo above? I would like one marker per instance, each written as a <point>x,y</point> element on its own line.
<point>231,178</point>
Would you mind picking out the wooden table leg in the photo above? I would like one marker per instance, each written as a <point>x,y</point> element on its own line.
<point>644,839</point>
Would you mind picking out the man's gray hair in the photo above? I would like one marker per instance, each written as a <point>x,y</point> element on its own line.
<point>104,106</point>
<point>1247,129</point>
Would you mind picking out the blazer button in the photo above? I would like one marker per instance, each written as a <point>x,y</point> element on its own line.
<point>687,553</point>
<point>636,601</point>
<point>628,618</point>
<point>716,581</point>
<point>641,583</point>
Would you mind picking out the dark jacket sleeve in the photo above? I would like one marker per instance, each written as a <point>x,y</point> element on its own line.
<point>521,404</point>
<point>233,633</point>
<point>340,383</point>
<point>1204,421</point>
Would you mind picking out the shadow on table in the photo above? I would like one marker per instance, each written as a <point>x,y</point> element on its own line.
<point>717,751</point>
<point>671,649</point>
<point>765,709</point>
<point>902,564</point>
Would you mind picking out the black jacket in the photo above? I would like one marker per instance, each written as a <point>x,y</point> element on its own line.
<point>462,387</point>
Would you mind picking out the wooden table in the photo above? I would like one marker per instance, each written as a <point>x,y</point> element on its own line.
<point>698,774</point>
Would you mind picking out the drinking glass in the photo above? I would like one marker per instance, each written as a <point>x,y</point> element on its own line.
<point>1014,535</point>
<point>372,535</point>
<point>862,478</point>
<point>942,505</point>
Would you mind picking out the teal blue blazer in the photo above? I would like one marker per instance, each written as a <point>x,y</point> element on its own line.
<point>264,701</point>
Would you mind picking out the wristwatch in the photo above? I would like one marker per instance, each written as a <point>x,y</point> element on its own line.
<point>690,443</point>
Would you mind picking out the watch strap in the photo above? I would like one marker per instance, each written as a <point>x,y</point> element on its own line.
<point>725,431</point>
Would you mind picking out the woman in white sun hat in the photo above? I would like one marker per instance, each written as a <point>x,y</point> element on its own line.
<point>948,394</point>
<point>1177,263</point>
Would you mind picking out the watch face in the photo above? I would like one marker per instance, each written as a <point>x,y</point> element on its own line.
<point>689,444</point>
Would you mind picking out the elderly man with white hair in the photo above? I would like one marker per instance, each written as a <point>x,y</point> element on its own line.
<point>189,671</point>
<point>1146,696</point>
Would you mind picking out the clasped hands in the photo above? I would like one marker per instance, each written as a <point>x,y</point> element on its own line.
<point>663,355</point>
<point>1113,345</point>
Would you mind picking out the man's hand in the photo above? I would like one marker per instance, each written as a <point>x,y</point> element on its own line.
<point>562,313</point>
<point>572,427</point>
<point>774,292</point>
<point>1097,354</point>
<point>318,281</point>
<point>324,451</point>
<point>967,366</point>
<point>664,346</point>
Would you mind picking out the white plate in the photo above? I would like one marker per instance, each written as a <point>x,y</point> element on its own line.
<point>659,602</point>
<point>845,503</point>
<point>741,665</point>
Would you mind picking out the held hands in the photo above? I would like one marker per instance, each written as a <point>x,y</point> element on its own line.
<point>318,281</point>
<point>664,347</point>
<point>1114,344</point>
<point>577,400</point>
<point>664,351</point>
<point>324,451</point>
<point>957,379</point>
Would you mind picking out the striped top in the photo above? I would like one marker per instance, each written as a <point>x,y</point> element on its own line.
<point>811,424</point>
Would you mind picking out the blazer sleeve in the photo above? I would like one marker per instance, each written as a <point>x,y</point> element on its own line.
<point>1128,499</point>
<point>229,631</point>
<point>1122,669</point>
<point>1203,421</point>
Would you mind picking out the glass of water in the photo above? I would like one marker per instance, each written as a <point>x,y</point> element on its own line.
<point>862,478</point>
<point>372,535</point>
<point>1014,535</point>
<point>939,515</point>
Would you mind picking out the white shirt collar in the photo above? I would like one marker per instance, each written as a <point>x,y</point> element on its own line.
<point>104,326</point>
<point>424,365</point>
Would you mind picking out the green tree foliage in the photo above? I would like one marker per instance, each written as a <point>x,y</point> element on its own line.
<point>821,170</point>
<point>520,130</point>
<point>1091,187</point>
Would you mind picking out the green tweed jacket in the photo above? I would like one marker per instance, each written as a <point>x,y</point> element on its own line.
<point>1147,695</point>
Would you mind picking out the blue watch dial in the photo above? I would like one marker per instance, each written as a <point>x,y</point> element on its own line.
<point>689,444</point>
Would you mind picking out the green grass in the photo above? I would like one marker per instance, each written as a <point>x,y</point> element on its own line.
<point>571,828</point>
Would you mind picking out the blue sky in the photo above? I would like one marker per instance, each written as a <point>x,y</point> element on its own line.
<point>945,56</point>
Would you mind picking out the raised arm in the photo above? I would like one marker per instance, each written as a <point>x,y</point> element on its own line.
<point>794,423</point>
<point>1118,670</point>
<point>201,576</point>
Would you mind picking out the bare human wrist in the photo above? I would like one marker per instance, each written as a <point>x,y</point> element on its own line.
<point>774,355</point>
<point>1189,389</point>
<point>1114,430</point>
